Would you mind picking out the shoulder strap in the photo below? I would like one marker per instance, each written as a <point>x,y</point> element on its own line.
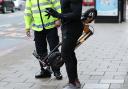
<point>40,14</point>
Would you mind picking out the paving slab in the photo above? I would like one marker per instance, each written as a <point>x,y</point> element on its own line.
<point>102,62</point>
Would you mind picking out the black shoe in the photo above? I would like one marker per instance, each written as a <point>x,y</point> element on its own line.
<point>43,74</point>
<point>58,75</point>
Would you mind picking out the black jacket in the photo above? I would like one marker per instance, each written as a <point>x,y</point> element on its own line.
<point>71,11</point>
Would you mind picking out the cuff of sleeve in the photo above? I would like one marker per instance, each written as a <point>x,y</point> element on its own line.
<point>60,16</point>
<point>27,28</point>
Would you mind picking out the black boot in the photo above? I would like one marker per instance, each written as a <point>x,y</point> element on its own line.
<point>43,74</point>
<point>58,75</point>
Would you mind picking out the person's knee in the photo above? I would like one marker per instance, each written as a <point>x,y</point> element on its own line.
<point>66,55</point>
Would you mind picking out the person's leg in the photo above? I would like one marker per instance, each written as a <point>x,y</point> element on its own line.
<point>53,40</point>
<point>69,40</point>
<point>41,49</point>
<point>69,57</point>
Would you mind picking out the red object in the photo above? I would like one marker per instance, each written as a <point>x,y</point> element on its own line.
<point>1,1</point>
<point>88,3</point>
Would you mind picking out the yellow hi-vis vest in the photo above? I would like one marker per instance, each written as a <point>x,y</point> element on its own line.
<point>32,14</point>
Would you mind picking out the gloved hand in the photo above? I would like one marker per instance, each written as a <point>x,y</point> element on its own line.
<point>52,12</point>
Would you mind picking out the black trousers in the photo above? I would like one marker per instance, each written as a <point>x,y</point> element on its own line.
<point>70,35</point>
<point>41,39</point>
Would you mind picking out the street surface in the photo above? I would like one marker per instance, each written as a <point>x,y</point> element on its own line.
<point>102,59</point>
<point>12,32</point>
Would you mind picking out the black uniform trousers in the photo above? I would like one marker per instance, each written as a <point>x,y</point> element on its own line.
<point>70,33</point>
<point>41,39</point>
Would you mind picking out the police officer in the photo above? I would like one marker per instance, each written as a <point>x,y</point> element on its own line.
<point>72,28</point>
<point>45,30</point>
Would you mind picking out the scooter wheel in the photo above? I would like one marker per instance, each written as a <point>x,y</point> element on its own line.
<point>55,60</point>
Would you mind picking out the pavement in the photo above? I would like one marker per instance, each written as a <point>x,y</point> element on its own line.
<point>102,62</point>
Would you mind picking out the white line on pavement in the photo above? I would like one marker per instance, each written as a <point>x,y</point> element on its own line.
<point>5,25</point>
<point>7,51</point>
<point>21,23</point>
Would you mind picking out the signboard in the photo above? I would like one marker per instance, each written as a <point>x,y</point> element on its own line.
<point>107,7</point>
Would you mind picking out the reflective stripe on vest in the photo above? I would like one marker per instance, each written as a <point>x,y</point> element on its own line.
<point>28,14</point>
<point>45,25</point>
<point>41,4</point>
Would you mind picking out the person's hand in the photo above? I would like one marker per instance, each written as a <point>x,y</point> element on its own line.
<point>28,33</point>
<point>52,12</point>
<point>57,23</point>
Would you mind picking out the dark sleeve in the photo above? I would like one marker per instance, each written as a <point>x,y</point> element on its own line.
<point>76,9</point>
